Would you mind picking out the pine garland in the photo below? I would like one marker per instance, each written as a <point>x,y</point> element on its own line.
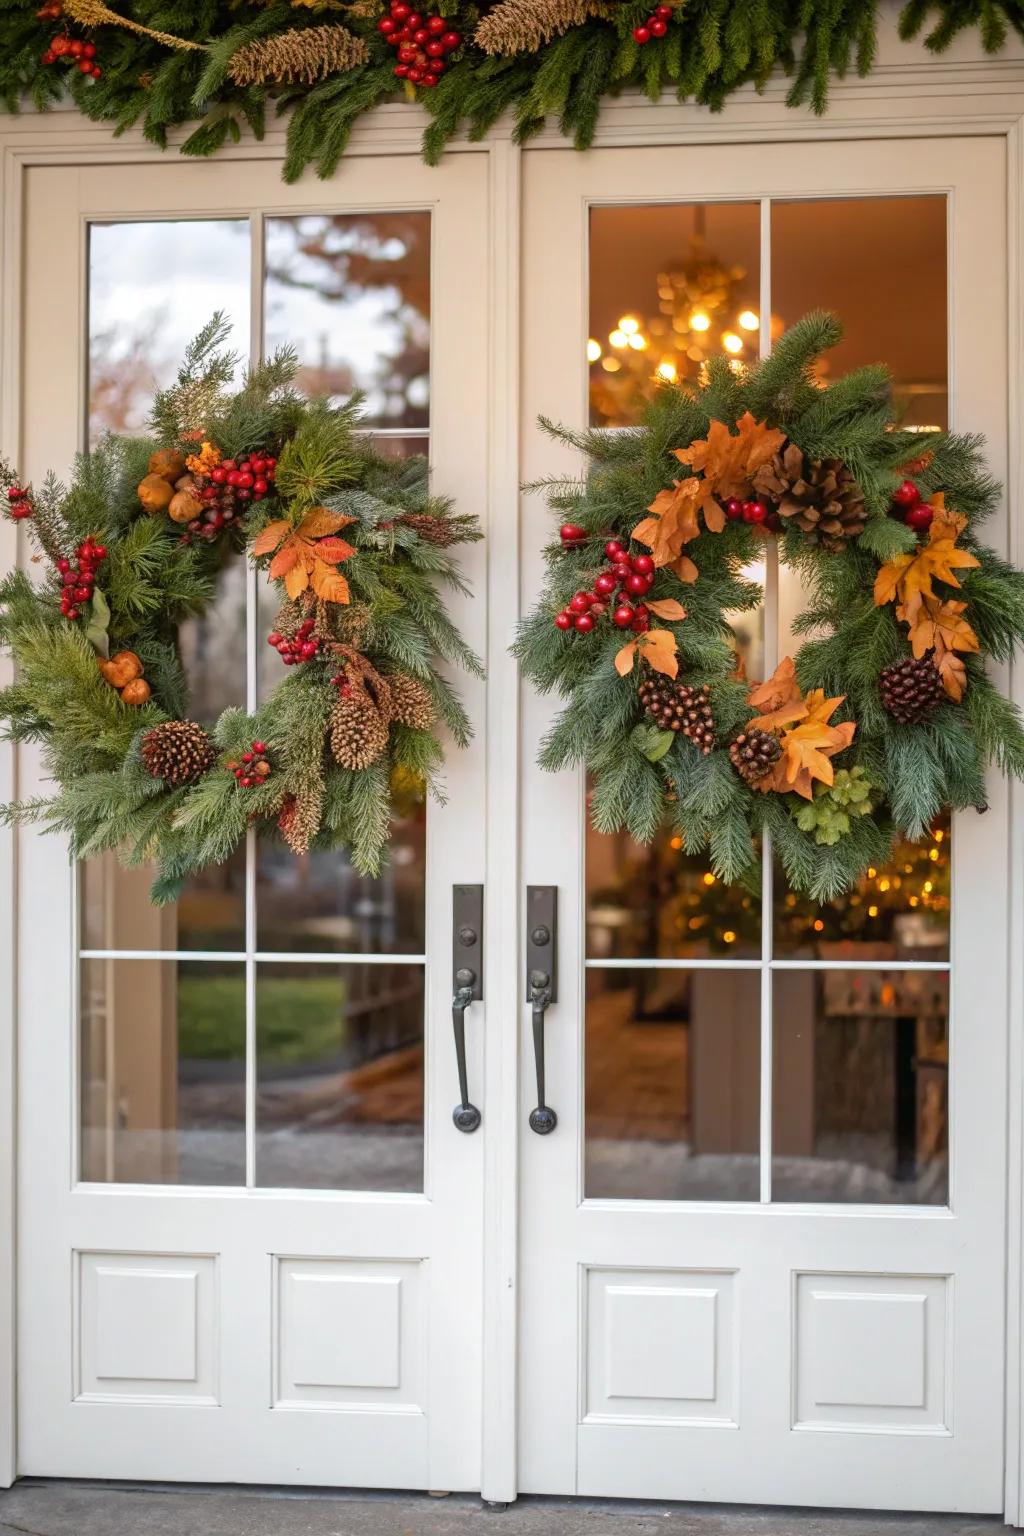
<point>303,54</point>
<point>533,59</point>
<point>364,607</point>
<point>883,719</point>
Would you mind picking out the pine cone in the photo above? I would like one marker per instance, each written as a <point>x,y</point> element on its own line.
<point>821,495</point>
<point>411,702</point>
<point>680,707</point>
<point>178,752</point>
<point>299,820</point>
<point>358,731</point>
<point>910,690</point>
<point>754,754</point>
<point>432,530</point>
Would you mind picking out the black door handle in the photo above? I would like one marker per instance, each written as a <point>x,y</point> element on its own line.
<point>467,927</point>
<point>541,986</point>
<point>543,1118</point>
<point>465,1115</point>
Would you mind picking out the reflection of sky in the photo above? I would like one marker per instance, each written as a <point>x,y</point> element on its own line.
<point>175,272</point>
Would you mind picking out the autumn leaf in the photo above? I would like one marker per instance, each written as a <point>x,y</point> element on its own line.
<point>306,554</point>
<point>952,672</point>
<point>667,608</point>
<point>674,521</point>
<point>807,748</point>
<point>779,699</point>
<point>909,577</point>
<point>729,460</point>
<point>932,623</point>
<point>657,647</point>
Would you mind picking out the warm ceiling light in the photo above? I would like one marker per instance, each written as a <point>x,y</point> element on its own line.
<point>699,321</point>
<point>638,342</point>
<point>749,320</point>
<point>618,338</point>
<point>630,324</point>
<point>667,371</point>
<point>593,350</point>
<point>731,342</point>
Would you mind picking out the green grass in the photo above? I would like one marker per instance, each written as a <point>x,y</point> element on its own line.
<point>297,1018</point>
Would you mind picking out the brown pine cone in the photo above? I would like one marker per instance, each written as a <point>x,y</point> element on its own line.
<point>682,707</point>
<point>411,703</point>
<point>910,690</point>
<point>178,752</point>
<point>753,754</point>
<point>819,495</point>
<point>358,731</point>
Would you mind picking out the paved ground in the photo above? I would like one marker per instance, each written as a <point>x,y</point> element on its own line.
<point>76,1509</point>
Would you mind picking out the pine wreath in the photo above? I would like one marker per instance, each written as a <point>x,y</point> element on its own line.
<point>904,605</point>
<point>360,550</point>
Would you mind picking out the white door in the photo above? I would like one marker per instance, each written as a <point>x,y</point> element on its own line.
<point>762,1253</point>
<point>249,1232</point>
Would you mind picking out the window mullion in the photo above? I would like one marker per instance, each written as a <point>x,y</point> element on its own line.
<point>771,657</point>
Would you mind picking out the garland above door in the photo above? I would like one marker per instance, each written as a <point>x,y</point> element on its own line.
<point>325,63</point>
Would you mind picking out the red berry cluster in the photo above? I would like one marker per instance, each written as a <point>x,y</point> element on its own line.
<point>752,512</point>
<point>74,51</point>
<point>250,478</point>
<point>630,577</point>
<point>254,766</point>
<point>303,646</point>
<point>77,581</point>
<point>233,481</point>
<point>341,682</point>
<point>911,507</point>
<point>656,25</point>
<point>20,506</point>
<point>423,43</point>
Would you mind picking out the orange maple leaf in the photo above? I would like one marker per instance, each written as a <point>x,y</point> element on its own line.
<point>729,460</point>
<point>657,647</point>
<point>933,623</point>
<point>673,524</point>
<point>307,554</point>
<point>779,698</point>
<point>909,577</point>
<point>807,748</point>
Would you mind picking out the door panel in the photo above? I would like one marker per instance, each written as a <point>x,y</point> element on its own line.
<point>763,1250</point>
<point>250,1235</point>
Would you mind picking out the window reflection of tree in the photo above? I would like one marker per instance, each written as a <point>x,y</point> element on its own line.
<point>347,261</point>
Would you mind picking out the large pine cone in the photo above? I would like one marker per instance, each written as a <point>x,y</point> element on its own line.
<point>680,707</point>
<point>411,702</point>
<point>910,690</point>
<point>754,754</point>
<point>359,732</point>
<point>178,752</point>
<point>820,495</point>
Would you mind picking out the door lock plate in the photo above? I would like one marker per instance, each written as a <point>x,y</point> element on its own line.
<point>542,938</point>
<point>467,935</point>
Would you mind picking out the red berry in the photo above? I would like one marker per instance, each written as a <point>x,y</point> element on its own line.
<point>401,70</point>
<point>85,67</point>
<point>72,613</point>
<point>15,493</point>
<point>623,616</point>
<point>401,11</point>
<point>436,67</point>
<point>260,747</point>
<point>228,465</point>
<point>435,50</point>
<point>387,26</point>
<point>89,51</point>
<point>245,479</point>
<point>641,35</point>
<point>246,757</point>
<point>563,620</point>
<point>75,48</point>
<point>271,462</point>
<point>274,638</point>
<point>64,565</point>
<point>83,594</point>
<point>584,623</point>
<point>260,486</point>
<point>572,533</point>
<point>614,550</point>
<point>581,602</point>
<point>308,649</point>
<point>605,584</point>
<point>733,509</point>
<point>100,551</point>
<point>96,71</point>
<point>436,24</point>
<point>907,494</point>
<point>754,512</point>
<point>663,12</point>
<point>421,36</point>
<point>451,40</point>
<point>643,565</point>
<point>414,20</point>
<point>773,522</point>
<point>219,475</point>
<point>920,517</point>
<point>622,570</point>
<point>48,57</point>
<point>637,584</point>
<point>658,28</point>
<point>641,624</point>
<point>271,472</point>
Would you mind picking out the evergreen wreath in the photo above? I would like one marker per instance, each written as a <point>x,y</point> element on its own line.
<point>219,64</point>
<point>883,719</point>
<point>359,549</point>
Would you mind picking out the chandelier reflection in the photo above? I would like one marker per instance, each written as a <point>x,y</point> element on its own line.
<point>701,314</point>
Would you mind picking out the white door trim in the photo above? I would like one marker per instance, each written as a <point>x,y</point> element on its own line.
<point>909,94</point>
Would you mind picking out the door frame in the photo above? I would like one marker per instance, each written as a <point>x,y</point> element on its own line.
<point>910,94</point>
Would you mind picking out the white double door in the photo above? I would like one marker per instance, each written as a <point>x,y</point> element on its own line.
<point>251,1240</point>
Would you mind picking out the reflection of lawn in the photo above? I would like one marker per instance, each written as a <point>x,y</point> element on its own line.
<point>297,1018</point>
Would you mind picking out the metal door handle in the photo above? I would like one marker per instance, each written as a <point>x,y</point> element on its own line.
<point>465,1115</point>
<point>542,1119</point>
<point>467,927</point>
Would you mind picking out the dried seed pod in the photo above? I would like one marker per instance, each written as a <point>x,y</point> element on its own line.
<point>155,493</point>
